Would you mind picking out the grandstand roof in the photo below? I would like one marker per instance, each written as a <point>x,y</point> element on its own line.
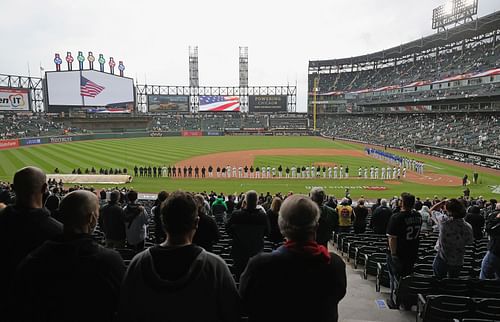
<point>474,28</point>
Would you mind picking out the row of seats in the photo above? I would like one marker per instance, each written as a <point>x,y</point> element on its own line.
<point>439,308</point>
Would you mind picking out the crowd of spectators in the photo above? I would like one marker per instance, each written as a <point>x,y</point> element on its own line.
<point>474,57</point>
<point>229,121</point>
<point>238,255</point>
<point>19,126</point>
<point>476,133</point>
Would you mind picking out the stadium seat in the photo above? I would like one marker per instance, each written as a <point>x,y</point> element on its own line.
<point>453,286</point>
<point>382,276</point>
<point>485,289</point>
<point>371,263</point>
<point>411,286</point>
<point>487,309</point>
<point>445,308</point>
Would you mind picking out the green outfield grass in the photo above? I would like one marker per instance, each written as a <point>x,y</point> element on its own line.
<point>164,151</point>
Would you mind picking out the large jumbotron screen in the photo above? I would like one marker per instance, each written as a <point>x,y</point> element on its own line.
<point>88,88</point>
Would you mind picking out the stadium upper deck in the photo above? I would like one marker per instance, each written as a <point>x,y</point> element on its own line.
<point>452,60</point>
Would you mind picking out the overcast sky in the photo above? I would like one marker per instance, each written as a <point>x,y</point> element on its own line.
<point>152,37</point>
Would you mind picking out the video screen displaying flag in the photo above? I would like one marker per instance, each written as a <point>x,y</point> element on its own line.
<point>88,89</point>
<point>215,103</point>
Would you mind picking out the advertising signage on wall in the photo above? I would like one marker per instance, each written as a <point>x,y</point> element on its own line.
<point>14,99</point>
<point>267,103</point>
<point>8,144</point>
<point>168,103</point>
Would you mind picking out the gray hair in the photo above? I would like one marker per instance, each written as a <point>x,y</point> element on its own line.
<point>318,195</point>
<point>383,202</point>
<point>298,217</point>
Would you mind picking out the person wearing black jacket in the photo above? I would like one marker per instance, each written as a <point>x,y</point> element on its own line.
<point>207,233</point>
<point>301,280</point>
<point>56,281</point>
<point>156,212</point>
<point>360,213</point>
<point>275,235</point>
<point>476,220</point>
<point>112,221</point>
<point>23,227</point>
<point>247,227</point>
<point>380,218</point>
<point>328,220</point>
<point>490,267</point>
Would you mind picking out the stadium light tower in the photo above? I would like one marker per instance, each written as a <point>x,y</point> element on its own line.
<point>453,12</point>
<point>243,90</point>
<point>194,81</point>
<point>193,67</point>
<point>315,92</point>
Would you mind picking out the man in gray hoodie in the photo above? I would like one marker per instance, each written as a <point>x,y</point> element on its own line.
<point>176,280</point>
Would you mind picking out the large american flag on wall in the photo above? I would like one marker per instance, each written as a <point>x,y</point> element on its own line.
<point>217,103</point>
<point>89,88</point>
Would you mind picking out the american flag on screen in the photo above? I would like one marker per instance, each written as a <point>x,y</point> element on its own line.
<point>89,88</point>
<point>219,103</point>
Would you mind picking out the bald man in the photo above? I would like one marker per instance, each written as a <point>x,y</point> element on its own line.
<point>23,227</point>
<point>71,278</point>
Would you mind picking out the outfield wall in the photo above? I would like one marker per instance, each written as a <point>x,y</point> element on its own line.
<point>473,157</point>
<point>14,143</point>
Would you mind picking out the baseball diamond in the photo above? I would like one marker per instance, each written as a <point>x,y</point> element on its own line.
<point>441,177</point>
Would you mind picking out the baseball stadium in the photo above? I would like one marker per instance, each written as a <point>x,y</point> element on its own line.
<point>369,195</point>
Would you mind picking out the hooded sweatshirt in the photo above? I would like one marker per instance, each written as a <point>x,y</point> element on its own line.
<point>178,284</point>
<point>55,282</point>
<point>21,231</point>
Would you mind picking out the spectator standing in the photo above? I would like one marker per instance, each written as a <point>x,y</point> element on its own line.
<point>163,282</point>
<point>52,205</point>
<point>490,267</point>
<point>301,280</point>
<point>454,235</point>
<point>403,231</point>
<point>230,204</point>
<point>275,235</point>
<point>360,213</point>
<point>207,233</point>
<point>112,221</point>
<point>247,227</point>
<point>426,219</point>
<point>328,219</point>
<point>24,226</point>
<point>135,222</point>
<point>219,209</point>
<point>476,220</point>
<point>55,281</point>
<point>156,213</point>
<point>344,211</point>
